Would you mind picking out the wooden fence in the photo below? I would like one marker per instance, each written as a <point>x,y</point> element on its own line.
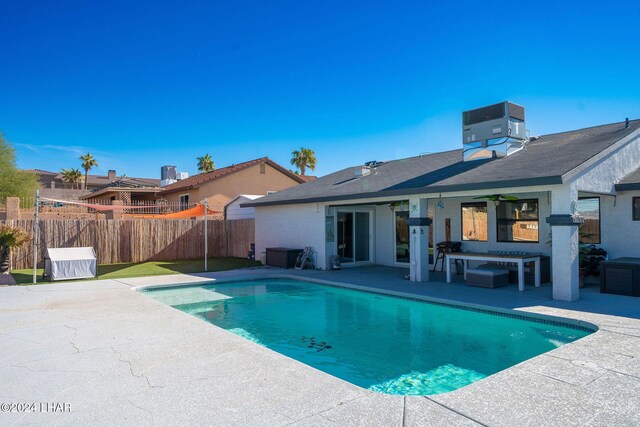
<point>138,240</point>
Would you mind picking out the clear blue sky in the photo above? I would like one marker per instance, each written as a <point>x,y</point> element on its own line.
<point>146,83</point>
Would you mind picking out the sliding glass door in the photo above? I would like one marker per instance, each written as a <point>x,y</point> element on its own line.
<point>354,236</point>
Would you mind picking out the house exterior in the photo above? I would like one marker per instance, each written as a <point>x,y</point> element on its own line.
<point>259,176</point>
<point>126,191</point>
<point>53,186</point>
<point>385,212</point>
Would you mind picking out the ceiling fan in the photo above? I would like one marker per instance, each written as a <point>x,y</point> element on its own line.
<point>497,198</point>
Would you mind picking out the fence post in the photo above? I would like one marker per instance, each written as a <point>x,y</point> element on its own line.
<point>13,208</point>
<point>116,213</point>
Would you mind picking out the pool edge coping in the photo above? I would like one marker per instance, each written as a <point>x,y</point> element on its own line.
<point>568,321</point>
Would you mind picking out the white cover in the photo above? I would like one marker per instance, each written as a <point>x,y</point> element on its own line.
<point>71,263</point>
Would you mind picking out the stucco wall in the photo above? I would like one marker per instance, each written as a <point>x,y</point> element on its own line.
<point>291,226</point>
<point>247,181</point>
<point>604,174</point>
<point>620,234</point>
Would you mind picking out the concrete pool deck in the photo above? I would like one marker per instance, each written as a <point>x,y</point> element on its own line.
<point>118,357</point>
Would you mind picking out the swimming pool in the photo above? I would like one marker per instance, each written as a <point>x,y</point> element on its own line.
<point>386,344</point>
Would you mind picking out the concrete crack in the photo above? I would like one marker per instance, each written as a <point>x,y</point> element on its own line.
<point>141,408</point>
<point>404,410</point>
<point>454,411</point>
<point>131,370</point>
<point>55,370</point>
<point>75,335</point>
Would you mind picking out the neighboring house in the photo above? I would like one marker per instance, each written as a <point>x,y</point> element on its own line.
<point>52,184</point>
<point>383,213</point>
<point>259,176</point>
<point>233,210</point>
<point>125,190</point>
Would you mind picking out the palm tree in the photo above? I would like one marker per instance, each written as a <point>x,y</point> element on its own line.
<point>10,238</point>
<point>72,176</point>
<point>205,163</point>
<point>303,159</point>
<point>88,161</point>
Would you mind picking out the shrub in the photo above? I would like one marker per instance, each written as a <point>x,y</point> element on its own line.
<point>10,237</point>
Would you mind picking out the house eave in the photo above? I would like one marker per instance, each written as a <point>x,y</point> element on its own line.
<point>118,190</point>
<point>550,180</point>
<point>601,155</point>
<point>632,186</point>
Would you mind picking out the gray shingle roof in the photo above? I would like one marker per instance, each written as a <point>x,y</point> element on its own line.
<point>545,161</point>
<point>630,182</point>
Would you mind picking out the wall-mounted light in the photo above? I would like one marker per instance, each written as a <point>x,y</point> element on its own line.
<point>496,202</point>
<point>440,205</point>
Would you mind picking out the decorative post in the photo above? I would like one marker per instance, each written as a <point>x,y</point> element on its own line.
<point>419,223</point>
<point>36,228</point>
<point>13,208</point>
<point>565,244</point>
<point>206,235</point>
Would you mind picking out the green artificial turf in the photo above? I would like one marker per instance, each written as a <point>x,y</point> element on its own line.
<point>151,268</point>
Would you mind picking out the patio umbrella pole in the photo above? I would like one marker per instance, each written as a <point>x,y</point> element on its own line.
<point>206,240</point>
<point>36,228</point>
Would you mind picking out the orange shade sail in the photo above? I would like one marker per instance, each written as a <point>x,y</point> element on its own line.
<point>187,213</point>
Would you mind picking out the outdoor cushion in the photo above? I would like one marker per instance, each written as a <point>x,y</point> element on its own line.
<point>487,277</point>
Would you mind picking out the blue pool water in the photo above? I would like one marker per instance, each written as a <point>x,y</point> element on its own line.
<point>383,343</point>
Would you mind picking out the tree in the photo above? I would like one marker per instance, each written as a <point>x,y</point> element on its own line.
<point>14,182</point>
<point>72,176</point>
<point>206,164</point>
<point>303,159</point>
<point>88,162</point>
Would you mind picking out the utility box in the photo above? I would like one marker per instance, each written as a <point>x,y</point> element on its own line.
<point>621,276</point>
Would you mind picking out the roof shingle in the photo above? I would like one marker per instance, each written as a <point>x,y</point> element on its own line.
<point>199,179</point>
<point>544,161</point>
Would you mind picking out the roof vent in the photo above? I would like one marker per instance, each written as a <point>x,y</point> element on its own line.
<point>626,122</point>
<point>494,131</point>
<point>373,164</point>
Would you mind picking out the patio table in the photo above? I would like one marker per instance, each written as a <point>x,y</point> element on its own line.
<point>518,259</point>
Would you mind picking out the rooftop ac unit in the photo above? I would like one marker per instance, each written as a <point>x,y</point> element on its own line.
<point>493,131</point>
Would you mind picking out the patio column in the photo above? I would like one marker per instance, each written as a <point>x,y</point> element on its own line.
<point>419,240</point>
<point>564,241</point>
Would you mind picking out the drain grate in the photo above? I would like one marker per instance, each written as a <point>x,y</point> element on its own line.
<point>316,345</point>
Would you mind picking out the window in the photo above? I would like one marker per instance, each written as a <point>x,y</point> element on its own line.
<point>474,222</point>
<point>589,210</point>
<point>517,221</point>
<point>184,202</point>
<point>636,208</point>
